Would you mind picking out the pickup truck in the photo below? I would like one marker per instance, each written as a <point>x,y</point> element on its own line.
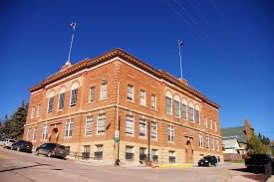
<point>256,162</point>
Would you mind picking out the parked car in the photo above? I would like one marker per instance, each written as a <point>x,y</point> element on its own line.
<point>8,143</point>
<point>256,162</point>
<point>52,150</point>
<point>22,145</point>
<point>208,160</point>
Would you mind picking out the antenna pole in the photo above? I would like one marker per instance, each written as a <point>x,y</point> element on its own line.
<point>180,44</point>
<point>73,25</point>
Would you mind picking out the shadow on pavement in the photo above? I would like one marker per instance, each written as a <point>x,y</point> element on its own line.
<point>256,175</point>
<point>23,167</point>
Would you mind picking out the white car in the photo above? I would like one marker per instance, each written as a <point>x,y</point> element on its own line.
<point>8,143</point>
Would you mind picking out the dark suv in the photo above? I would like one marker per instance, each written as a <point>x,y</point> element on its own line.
<point>22,145</point>
<point>208,160</point>
<point>52,150</point>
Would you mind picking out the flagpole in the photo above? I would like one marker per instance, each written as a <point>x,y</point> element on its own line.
<point>71,43</point>
<point>180,57</point>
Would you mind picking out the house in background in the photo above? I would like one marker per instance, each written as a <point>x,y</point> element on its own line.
<point>235,141</point>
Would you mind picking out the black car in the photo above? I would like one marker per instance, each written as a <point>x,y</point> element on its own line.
<point>208,160</point>
<point>52,150</point>
<point>22,145</point>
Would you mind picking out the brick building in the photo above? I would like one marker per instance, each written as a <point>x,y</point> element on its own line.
<point>155,114</point>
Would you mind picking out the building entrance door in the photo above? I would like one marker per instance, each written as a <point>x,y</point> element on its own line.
<point>189,152</point>
<point>54,135</point>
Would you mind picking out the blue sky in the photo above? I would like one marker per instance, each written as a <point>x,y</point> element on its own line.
<point>228,52</point>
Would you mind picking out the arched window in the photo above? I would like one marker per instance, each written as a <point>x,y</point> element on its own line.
<point>191,111</point>
<point>61,98</point>
<point>104,87</point>
<point>184,109</point>
<point>50,101</point>
<point>177,106</point>
<point>74,94</point>
<point>197,113</point>
<point>168,103</point>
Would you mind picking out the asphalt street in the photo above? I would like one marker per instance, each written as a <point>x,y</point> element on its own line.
<point>25,167</point>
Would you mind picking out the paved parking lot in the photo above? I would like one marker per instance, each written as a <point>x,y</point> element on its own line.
<point>19,166</point>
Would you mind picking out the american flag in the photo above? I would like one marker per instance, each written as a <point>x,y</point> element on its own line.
<point>73,25</point>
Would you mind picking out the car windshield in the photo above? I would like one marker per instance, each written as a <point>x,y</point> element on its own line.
<point>50,145</point>
<point>207,157</point>
<point>62,147</point>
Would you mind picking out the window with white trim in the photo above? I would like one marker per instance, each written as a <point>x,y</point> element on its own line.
<point>191,114</point>
<point>172,156</point>
<point>184,111</point>
<point>35,130</point>
<point>73,99</point>
<point>98,154</point>
<point>143,97</point>
<point>142,128</point>
<point>177,108</point>
<point>104,87</point>
<point>201,140</point>
<point>68,128</point>
<point>168,105</point>
<point>89,124</point>
<point>50,104</point>
<point>217,145</point>
<point>45,132</point>
<point>61,101</point>
<point>170,133</point>
<point>154,129</point>
<point>32,111</point>
<point>38,114</point>
<point>129,125</point>
<point>153,101</point>
<point>154,155</point>
<point>129,153</point>
<point>29,134</point>
<point>130,92</point>
<point>92,94</point>
<point>197,116</point>
<point>206,125</point>
<point>101,123</point>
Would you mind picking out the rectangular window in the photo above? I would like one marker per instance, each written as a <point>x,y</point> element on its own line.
<point>129,125</point>
<point>86,148</point>
<point>129,153</point>
<point>89,124</point>
<point>104,87</point>
<point>213,143</point>
<point>61,101</point>
<point>208,142</point>
<point>172,156</point>
<point>29,134</point>
<point>197,116</point>
<point>206,122</point>
<point>101,123</point>
<point>91,94</point>
<point>142,128</point>
<point>211,124</point>
<point>177,109</point>
<point>170,133</point>
<point>34,137</point>
<point>153,101</point>
<point>143,154</point>
<point>191,114</point>
<point>69,128</point>
<point>153,126</point>
<point>168,105</point>
<point>39,110</point>
<point>143,97</point>
<point>45,132</point>
<point>201,141</point>
<point>130,93</point>
<point>98,154</point>
<point>73,99</point>
<point>154,155</point>
<point>50,104</point>
<point>184,111</point>
<point>32,111</point>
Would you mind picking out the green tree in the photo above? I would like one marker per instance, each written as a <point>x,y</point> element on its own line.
<point>255,144</point>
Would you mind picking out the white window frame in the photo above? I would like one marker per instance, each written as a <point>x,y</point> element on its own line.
<point>143,122</point>
<point>155,132</point>
<point>129,130</point>
<point>201,141</point>
<point>89,125</point>
<point>45,132</point>
<point>170,133</point>
<point>69,128</point>
<point>92,97</point>
<point>73,97</point>
<point>153,102</point>
<point>206,124</point>
<point>32,112</point>
<point>184,105</point>
<point>59,101</point>
<point>50,104</point>
<point>130,93</point>
<point>177,108</point>
<point>191,114</point>
<point>38,114</point>
<point>211,124</point>
<point>101,124</point>
<point>29,134</point>
<point>168,107</point>
<point>142,97</point>
<point>34,135</point>
<point>103,92</point>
